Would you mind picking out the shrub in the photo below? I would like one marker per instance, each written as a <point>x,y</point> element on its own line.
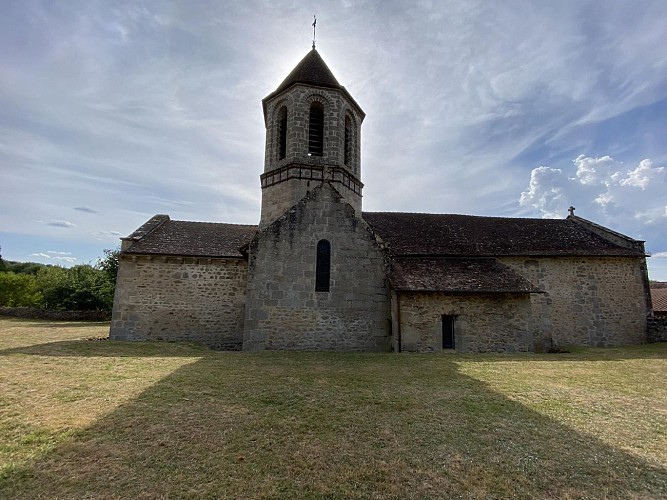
<point>19,290</point>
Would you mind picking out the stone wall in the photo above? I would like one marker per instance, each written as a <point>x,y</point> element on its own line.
<point>170,298</point>
<point>657,328</point>
<point>483,322</point>
<point>590,301</point>
<point>54,314</point>
<point>280,197</point>
<point>283,310</point>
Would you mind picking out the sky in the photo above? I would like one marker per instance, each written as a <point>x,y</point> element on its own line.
<point>112,112</point>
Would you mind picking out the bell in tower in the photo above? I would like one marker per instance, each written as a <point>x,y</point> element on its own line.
<point>313,135</point>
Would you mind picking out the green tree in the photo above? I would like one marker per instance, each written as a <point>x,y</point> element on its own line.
<point>17,290</point>
<point>91,289</point>
<point>78,288</point>
<point>109,264</point>
<point>52,283</point>
<point>24,267</point>
<point>2,262</point>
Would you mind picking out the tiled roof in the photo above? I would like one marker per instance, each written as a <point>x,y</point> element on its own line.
<point>457,275</point>
<point>468,235</point>
<point>659,299</point>
<point>162,236</point>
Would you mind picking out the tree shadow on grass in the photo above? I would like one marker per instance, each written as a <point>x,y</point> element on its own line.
<point>656,350</point>
<point>334,426</point>
<point>103,348</point>
<point>43,324</point>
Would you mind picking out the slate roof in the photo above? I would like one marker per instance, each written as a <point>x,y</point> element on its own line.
<point>163,236</point>
<point>430,252</point>
<point>468,235</point>
<point>457,275</point>
<point>311,70</point>
<point>659,300</point>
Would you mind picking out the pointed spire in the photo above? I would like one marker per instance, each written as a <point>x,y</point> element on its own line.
<point>311,70</point>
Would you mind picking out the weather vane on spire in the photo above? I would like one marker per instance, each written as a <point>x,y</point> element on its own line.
<point>314,24</point>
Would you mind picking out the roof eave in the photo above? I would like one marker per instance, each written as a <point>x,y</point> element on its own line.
<point>515,254</point>
<point>179,255</point>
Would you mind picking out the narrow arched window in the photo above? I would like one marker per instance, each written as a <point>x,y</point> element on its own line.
<point>323,266</point>
<point>282,133</point>
<point>316,130</point>
<point>347,153</point>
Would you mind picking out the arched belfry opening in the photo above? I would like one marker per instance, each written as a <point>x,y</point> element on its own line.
<point>316,129</point>
<point>282,133</point>
<point>312,136</point>
<point>348,138</point>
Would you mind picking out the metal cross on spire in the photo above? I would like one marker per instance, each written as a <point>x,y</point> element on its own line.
<point>314,25</point>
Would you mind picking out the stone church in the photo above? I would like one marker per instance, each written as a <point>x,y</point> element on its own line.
<point>319,273</point>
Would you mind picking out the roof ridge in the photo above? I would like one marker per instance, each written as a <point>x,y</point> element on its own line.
<point>214,223</point>
<point>459,215</point>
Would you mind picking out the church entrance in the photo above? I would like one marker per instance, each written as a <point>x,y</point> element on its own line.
<point>448,331</point>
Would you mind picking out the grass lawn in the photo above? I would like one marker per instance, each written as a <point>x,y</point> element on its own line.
<point>96,419</point>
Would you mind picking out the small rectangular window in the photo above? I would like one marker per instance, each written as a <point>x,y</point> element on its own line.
<point>448,341</point>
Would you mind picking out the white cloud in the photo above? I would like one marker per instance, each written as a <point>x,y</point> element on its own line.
<point>61,223</point>
<point>547,191</point>
<point>54,255</point>
<point>594,170</point>
<point>604,190</point>
<point>644,175</point>
<point>40,254</point>
<point>69,260</point>
<point>659,255</point>
<point>108,233</point>
<point>87,210</point>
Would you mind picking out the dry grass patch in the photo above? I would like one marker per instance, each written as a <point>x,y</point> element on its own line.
<point>122,420</point>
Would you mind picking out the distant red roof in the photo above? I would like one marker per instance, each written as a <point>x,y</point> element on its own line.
<point>659,299</point>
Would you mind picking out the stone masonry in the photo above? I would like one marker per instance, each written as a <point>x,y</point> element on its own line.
<point>176,298</point>
<point>484,322</point>
<point>278,197</point>
<point>596,301</point>
<point>283,310</point>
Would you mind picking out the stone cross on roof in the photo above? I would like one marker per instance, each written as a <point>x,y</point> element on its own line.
<point>571,210</point>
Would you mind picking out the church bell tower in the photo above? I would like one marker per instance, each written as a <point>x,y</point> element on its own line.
<point>313,135</point>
